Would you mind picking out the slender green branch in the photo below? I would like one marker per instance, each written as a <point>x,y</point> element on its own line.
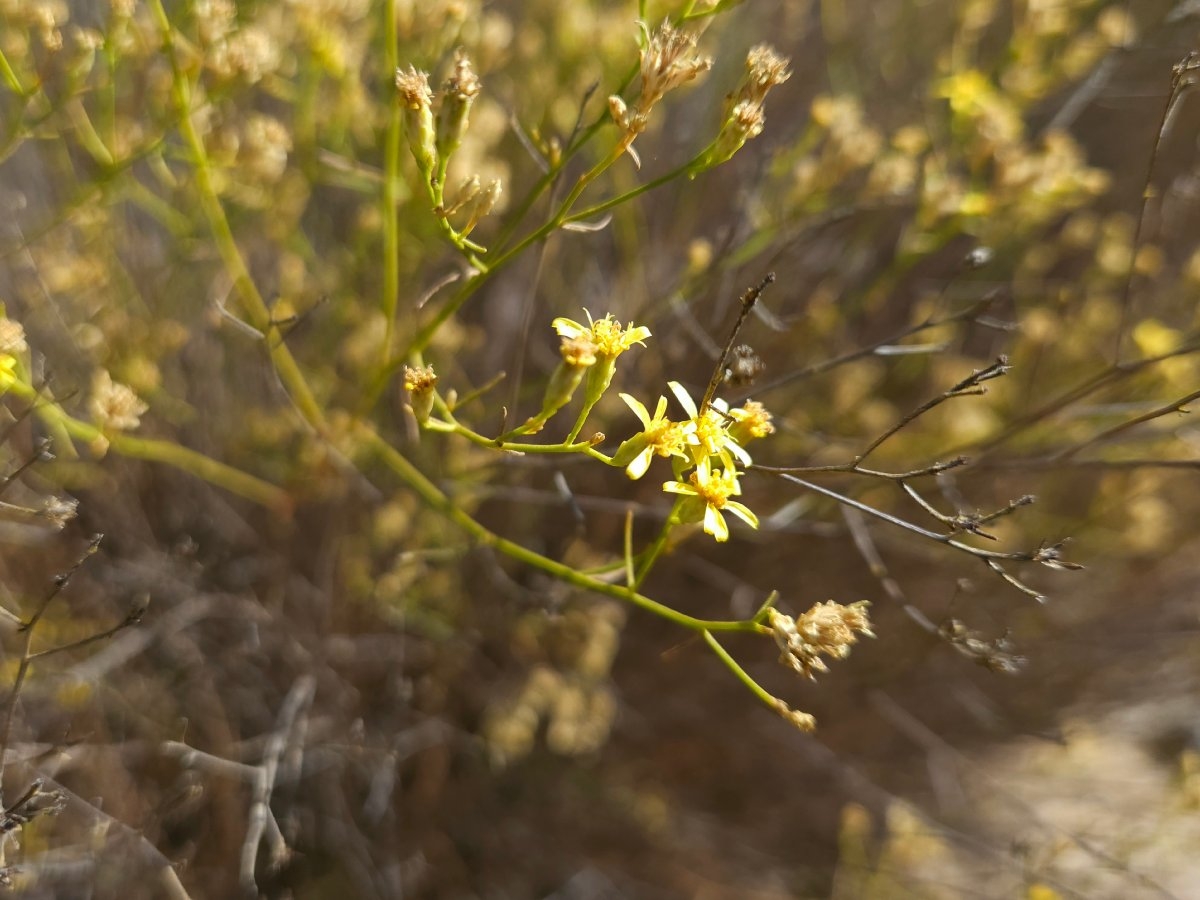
<point>233,480</point>
<point>11,78</point>
<point>391,190</point>
<point>742,675</point>
<point>424,488</point>
<point>654,551</point>
<point>256,309</point>
<point>633,193</point>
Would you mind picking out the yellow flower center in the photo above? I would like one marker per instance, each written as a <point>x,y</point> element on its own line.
<point>609,337</point>
<point>716,489</point>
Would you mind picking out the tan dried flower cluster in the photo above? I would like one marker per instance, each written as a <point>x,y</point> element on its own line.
<point>114,406</point>
<point>12,337</point>
<point>827,629</point>
<point>578,717</point>
<point>265,147</point>
<point>578,351</point>
<point>58,511</point>
<point>744,116</point>
<point>667,61</point>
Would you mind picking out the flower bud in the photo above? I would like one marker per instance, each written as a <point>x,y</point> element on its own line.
<point>417,98</point>
<point>420,384</point>
<point>459,93</point>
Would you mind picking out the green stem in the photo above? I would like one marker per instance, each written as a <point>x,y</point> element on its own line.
<point>391,191</point>
<point>424,488</point>
<point>10,77</point>
<point>742,675</point>
<point>592,211</point>
<point>255,307</point>
<point>582,420</point>
<point>425,335</point>
<point>497,444</point>
<point>654,551</point>
<point>233,480</point>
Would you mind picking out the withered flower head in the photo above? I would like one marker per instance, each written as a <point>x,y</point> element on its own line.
<point>827,629</point>
<point>114,406</point>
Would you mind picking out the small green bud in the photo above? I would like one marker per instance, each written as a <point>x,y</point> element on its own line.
<point>420,384</point>
<point>578,355</point>
<point>458,94</point>
<point>417,98</point>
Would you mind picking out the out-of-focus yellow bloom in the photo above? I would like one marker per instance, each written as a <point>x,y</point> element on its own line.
<point>610,338</point>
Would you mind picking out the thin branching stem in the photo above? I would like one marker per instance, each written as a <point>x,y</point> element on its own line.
<point>27,654</point>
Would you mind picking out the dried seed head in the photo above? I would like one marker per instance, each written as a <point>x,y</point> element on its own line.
<point>667,61</point>
<point>58,511</point>
<point>414,89</point>
<point>483,203</point>
<point>114,406</point>
<point>417,98</point>
<point>744,117</point>
<point>764,69</point>
<point>802,720</point>
<point>578,352</point>
<point>459,92</point>
<point>827,629</point>
<point>12,337</point>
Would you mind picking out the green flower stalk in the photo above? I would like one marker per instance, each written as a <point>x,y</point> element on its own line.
<point>7,374</point>
<point>578,356</point>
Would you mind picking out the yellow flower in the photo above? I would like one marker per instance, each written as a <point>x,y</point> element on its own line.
<point>610,338</point>
<point>750,421</point>
<point>710,433</point>
<point>659,435</point>
<point>712,490</point>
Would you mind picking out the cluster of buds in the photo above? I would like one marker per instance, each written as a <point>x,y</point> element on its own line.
<point>828,629</point>
<point>744,116</point>
<point>434,140</point>
<point>474,200</point>
<point>668,60</point>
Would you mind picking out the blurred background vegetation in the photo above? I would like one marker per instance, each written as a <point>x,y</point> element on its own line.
<point>400,712</point>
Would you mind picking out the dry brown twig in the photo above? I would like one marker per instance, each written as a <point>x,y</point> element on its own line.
<point>261,820</point>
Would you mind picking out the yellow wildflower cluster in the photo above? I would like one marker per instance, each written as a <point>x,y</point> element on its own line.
<point>709,442</point>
